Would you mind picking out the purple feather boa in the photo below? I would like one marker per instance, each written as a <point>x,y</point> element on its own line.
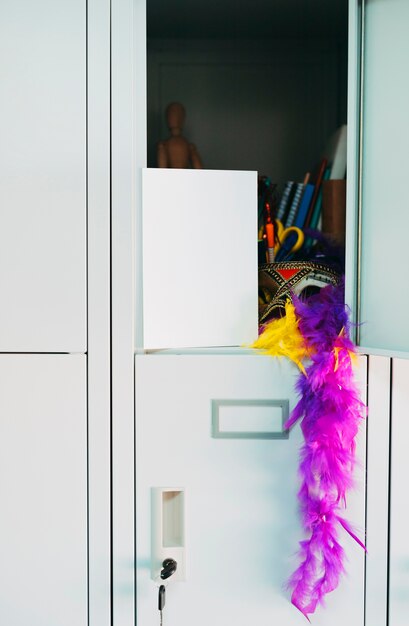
<point>330,412</point>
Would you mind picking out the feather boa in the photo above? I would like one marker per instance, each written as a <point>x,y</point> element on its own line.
<point>282,337</point>
<point>330,412</point>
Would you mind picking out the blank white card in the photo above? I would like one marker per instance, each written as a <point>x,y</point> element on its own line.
<point>199,258</point>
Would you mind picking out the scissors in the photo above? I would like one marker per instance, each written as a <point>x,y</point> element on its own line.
<point>289,240</point>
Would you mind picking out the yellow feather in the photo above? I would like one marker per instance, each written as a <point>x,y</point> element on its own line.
<point>282,337</point>
<point>352,355</point>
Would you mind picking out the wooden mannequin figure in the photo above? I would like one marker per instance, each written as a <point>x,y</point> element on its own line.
<point>177,152</point>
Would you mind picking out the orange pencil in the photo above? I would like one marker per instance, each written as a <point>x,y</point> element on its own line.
<point>270,241</point>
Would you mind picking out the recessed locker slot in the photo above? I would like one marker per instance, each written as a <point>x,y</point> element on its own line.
<point>167,531</point>
<point>173,504</point>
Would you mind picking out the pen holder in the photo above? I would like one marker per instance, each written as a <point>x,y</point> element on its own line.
<point>279,282</point>
<point>333,209</point>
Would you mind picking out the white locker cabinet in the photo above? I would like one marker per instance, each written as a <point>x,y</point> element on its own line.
<point>43,176</point>
<point>43,490</point>
<point>241,513</point>
<point>387,574</point>
<point>174,393</point>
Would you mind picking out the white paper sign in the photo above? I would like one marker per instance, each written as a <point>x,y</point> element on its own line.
<point>199,258</point>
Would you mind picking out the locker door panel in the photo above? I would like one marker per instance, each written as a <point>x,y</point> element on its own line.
<point>43,490</point>
<point>377,495</point>
<point>384,291</point>
<point>242,523</point>
<point>43,172</point>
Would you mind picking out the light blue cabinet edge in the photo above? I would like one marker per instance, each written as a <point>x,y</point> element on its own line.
<point>352,222</point>
<point>371,351</point>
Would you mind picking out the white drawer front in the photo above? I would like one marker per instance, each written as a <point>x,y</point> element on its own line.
<point>242,523</point>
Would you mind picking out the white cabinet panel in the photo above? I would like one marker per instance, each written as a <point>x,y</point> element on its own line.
<point>43,176</point>
<point>377,514</point>
<point>242,525</point>
<point>43,490</point>
<point>399,539</point>
<point>385,218</point>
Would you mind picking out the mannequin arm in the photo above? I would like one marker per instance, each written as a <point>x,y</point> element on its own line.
<point>195,157</point>
<point>161,155</point>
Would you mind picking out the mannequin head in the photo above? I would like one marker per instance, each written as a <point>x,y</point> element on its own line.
<point>175,117</point>
<point>176,151</point>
